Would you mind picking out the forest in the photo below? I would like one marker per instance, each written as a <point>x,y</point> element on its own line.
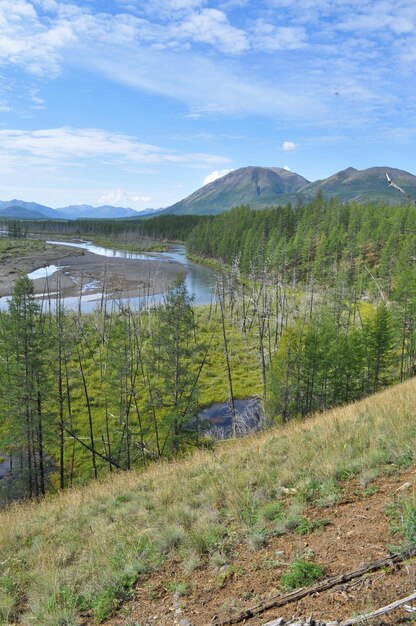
<point>315,307</point>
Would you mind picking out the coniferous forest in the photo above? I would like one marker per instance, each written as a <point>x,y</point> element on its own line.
<point>315,307</point>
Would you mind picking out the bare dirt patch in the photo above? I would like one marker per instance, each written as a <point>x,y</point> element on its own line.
<point>358,531</point>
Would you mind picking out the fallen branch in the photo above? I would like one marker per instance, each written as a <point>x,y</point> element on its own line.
<point>349,622</point>
<point>366,616</point>
<point>293,596</point>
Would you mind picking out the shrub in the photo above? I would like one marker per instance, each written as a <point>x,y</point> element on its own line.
<point>301,574</point>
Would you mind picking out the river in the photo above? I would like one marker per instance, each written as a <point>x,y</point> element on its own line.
<point>200,280</point>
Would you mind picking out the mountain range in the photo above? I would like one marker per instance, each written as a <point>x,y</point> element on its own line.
<point>267,186</point>
<point>19,209</point>
<point>257,187</point>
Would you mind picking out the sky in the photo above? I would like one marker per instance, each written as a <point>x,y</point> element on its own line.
<point>140,102</point>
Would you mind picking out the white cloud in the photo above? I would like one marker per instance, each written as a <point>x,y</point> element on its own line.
<point>119,197</point>
<point>215,176</point>
<point>27,41</point>
<point>289,146</point>
<point>137,198</point>
<point>166,7</point>
<point>287,168</point>
<point>211,26</point>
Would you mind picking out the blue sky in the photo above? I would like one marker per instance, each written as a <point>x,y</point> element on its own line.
<point>138,103</point>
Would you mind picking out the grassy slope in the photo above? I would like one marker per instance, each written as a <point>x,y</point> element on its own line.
<point>83,549</point>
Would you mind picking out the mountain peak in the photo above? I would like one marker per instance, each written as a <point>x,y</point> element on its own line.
<point>257,186</point>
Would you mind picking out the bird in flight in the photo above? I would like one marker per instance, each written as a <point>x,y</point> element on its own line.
<point>392,184</point>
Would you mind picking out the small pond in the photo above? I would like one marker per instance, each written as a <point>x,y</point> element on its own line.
<point>249,417</point>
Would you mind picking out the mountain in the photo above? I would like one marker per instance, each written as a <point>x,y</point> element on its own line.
<point>44,211</point>
<point>81,211</point>
<point>364,185</point>
<point>270,186</point>
<point>256,186</point>
<point>33,210</point>
<point>21,213</point>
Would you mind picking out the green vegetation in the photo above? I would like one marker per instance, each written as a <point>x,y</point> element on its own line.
<point>403,518</point>
<point>16,246</point>
<point>85,395</point>
<point>325,242</point>
<point>301,574</point>
<point>124,231</point>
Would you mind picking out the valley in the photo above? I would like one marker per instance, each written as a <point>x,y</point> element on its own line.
<point>102,414</point>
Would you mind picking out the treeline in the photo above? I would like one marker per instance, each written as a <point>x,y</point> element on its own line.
<point>317,241</point>
<point>163,227</point>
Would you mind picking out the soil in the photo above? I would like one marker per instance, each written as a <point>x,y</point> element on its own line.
<point>87,271</point>
<point>358,532</point>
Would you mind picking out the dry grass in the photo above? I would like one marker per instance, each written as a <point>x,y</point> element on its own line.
<point>84,548</point>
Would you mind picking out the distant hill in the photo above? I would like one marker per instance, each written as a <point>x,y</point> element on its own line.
<point>33,210</point>
<point>256,186</point>
<point>261,186</point>
<point>364,185</point>
<point>80,211</point>
<point>45,212</point>
<point>21,213</point>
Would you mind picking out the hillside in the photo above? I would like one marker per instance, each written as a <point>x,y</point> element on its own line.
<point>20,209</point>
<point>21,213</point>
<point>363,185</point>
<point>259,187</point>
<point>254,186</point>
<point>83,211</point>
<point>213,534</point>
<point>8,208</point>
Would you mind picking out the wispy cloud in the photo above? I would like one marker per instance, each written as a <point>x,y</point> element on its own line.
<point>216,59</point>
<point>59,145</point>
<point>272,38</point>
<point>204,85</point>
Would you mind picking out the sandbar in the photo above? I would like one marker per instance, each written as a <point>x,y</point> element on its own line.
<point>87,273</point>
